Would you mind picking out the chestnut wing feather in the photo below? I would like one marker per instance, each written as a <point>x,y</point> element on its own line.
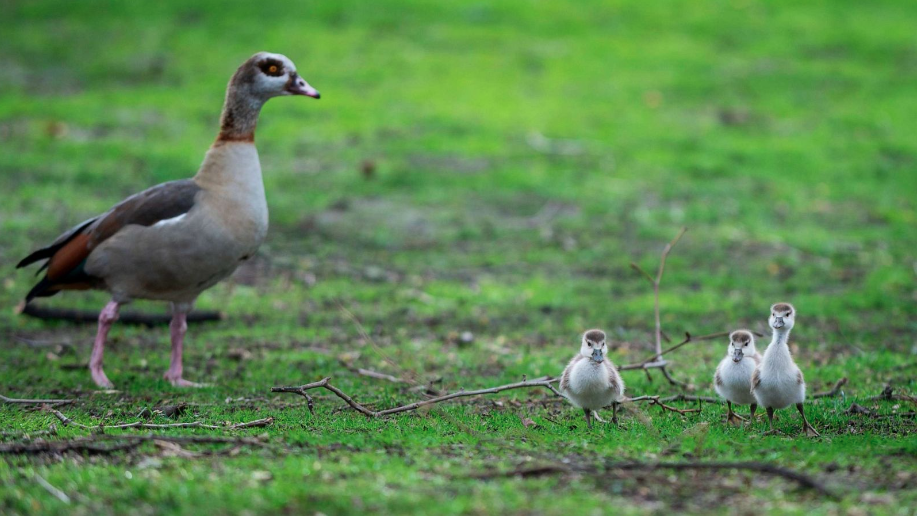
<point>67,255</point>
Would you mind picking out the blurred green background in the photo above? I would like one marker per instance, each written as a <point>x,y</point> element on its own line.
<point>482,167</point>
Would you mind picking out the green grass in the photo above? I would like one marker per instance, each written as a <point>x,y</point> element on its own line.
<point>525,153</point>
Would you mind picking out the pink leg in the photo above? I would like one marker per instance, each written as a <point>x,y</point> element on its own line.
<point>108,316</point>
<point>177,329</point>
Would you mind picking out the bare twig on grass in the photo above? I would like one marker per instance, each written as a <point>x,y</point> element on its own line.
<point>325,383</point>
<point>802,479</point>
<point>656,361</point>
<point>18,401</point>
<point>90,317</point>
<point>55,492</point>
<point>655,400</point>
<point>888,394</point>
<point>92,444</point>
<point>655,282</point>
<point>140,424</point>
<point>373,374</point>
<point>27,435</point>
<point>689,397</point>
<point>834,390</point>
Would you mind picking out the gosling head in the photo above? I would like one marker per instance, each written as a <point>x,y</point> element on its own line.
<point>741,344</point>
<point>594,346</point>
<point>783,316</point>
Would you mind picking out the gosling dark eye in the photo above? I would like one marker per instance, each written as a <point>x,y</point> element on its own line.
<point>590,344</point>
<point>746,344</point>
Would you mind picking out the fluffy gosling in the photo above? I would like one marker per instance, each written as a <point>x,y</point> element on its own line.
<point>590,381</point>
<point>777,382</point>
<point>732,380</point>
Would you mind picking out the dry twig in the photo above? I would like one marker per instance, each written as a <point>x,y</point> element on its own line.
<point>140,424</point>
<point>655,400</point>
<point>834,390</point>
<point>888,394</point>
<point>90,317</point>
<point>803,480</point>
<point>92,444</point>
<point>325,383</point>
<point>657,360</point>
<point>55,492</point>
<point>18,401</point>
<point>655,282</point>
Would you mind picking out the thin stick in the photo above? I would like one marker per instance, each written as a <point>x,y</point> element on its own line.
<point>88,316</point>
<point>325,383</point>
<point>656,282</point>
<point>122,442</point>
<point>55,492</point>
<point>759,467</point>
<point>834,390</point>
<point>139,424</point>
<point>688,397</point>
<point>655,400</point>
<point>888,394</point>
<point>26,401</point>
<point>374,374</point>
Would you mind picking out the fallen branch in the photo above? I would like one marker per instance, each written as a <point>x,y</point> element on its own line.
<point>689,397</point>
<point>140,424</point>
<point>129,317</point>
<point>855,408</point>
<point>656,360</point>
<point>758,467</point>
<point>55,492</point>
<point>803,480</point>
<point>655,400</point>
<point>888,394</point>
<point>325,384</point>
<point>27,435</point>
<point>374,374</point>
<point>655,282</point>
<point>92,444</point>
<point>834,390</point>
<point>36,401</point>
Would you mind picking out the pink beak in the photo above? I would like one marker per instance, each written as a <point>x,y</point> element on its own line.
<point>299,86</point>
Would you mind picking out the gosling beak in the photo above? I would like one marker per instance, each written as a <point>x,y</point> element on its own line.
<point>778,322</point>
<point>597,355</point>
<point>298,86</point>
<point>737,355</point>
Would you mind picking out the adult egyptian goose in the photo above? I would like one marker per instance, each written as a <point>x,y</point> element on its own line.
<point>590,381</point>
<point>177,239</point>
<point>777,382</point>
<point>732,379</point>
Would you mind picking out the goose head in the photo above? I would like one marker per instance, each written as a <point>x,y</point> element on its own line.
<point>593,346</point>
<point>266,75</point>
<point>741,344</point>
<point>783,317</point>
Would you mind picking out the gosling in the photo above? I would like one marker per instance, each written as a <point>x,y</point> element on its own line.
<point>732,380</point>
<point>777,382</point>
<point>590,381</point>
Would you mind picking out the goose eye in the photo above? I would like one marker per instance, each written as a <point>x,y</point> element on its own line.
<point>746,344</point>
<point>272,69</point>
<point>590,344</point>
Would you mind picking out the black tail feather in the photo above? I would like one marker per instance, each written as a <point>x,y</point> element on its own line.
<point>41,289</point>
<point>41,254</point>
<point>48,252</point>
